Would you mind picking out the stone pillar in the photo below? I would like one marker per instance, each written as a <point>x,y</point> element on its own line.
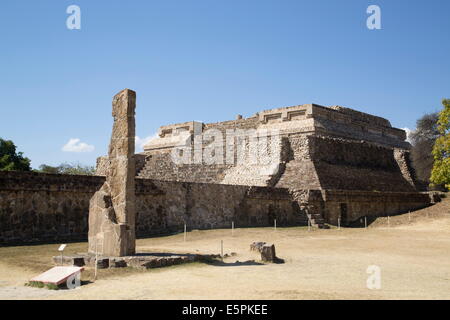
<point>112,211</point>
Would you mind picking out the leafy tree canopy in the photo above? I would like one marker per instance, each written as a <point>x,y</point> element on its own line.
<point>68,168</point>
<point>10,160</point>
<point>441,150</point>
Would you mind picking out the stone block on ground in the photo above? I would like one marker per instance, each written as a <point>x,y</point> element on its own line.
<point>69,261</point>
<point>142,261</point>
<point>152,263</point>
<point>267,251</point>
<point>102,263</point>
<point>117,263</point>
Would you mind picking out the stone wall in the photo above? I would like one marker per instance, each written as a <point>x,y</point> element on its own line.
<point>351,206</point>
<point>205,206</point>
<point>351,153</point>
<point>36,207</point>
<point>260,165</point>
<point>103,163</point>
<point>305,161</point>
<point>317,159</point>
<point>357,165</point>
<point>159,166</point>
<point>351,124</point>
<point>334,121</point>
<point>44,207</point>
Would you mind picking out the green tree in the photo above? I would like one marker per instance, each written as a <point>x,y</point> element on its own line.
<point>10,160</point>
<point>441,150</point>
<point>68,168</point>
<point>76,168</point>
<point>48,169</point>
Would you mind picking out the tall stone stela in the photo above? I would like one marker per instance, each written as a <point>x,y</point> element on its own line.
<point>112,212</point>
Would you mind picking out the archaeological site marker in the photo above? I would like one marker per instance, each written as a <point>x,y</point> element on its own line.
<point>57,275</point>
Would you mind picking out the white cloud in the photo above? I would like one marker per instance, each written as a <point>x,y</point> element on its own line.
<point>408,134</point>
<point>75,145</point>
<point>140,143</point>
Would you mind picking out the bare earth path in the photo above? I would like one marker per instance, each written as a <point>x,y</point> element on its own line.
<point>414,258</point>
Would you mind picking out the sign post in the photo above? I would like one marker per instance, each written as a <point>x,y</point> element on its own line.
<point>61,249</point>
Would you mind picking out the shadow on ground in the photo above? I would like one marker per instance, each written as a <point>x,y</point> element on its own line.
<point>219,263</point>
<point>163,254</point>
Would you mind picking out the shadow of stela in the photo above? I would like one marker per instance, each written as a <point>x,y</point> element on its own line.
<point>219,263</point>
<point>278,261</point>
<point>163,254</point>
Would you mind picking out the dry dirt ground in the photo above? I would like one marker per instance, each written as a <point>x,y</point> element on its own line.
<point>413,254</point>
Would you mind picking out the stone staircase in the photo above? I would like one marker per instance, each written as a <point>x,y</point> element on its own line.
<point>161,167</point>
<point>288,178</point>
<point>298,174</point>
<point>316,219</point>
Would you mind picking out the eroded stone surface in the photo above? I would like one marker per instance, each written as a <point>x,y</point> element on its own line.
<point>112,211</point>
<point>267,251</point>
<point>140,262</point>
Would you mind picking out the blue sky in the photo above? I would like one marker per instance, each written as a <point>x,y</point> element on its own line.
<point>208,61</point>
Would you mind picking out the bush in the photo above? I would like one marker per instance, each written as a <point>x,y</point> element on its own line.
<point>68,168</point>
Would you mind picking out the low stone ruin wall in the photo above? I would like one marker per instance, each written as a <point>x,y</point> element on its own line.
<point>44,207</point>
<point>165,206</point>
<point>350,206</point>
<point>36,207</point>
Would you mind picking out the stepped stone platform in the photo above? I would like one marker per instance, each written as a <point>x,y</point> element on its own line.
<point>140,261</point>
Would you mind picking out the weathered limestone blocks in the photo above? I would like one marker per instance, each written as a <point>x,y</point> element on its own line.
<point>103,164</point>
<point>267,251</point>
<point>112,211</point>
<point>138,262</point>
<point>76,261</point>
<point>344,129</point>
